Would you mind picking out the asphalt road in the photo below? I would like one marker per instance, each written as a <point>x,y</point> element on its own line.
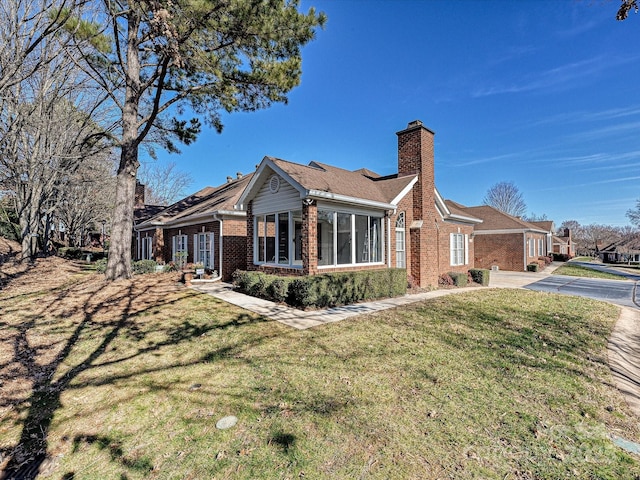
<point>620,292</point>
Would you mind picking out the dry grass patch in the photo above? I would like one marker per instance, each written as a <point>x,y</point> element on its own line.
<point>128,380</point>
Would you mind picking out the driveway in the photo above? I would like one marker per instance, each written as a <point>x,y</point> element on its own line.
<point>620,292</point>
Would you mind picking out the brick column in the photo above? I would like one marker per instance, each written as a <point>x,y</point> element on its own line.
<point>158,246</point>
<point>310,239</point>
<point>250,222</point>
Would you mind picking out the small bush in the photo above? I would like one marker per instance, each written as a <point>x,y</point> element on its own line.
<point>101,265</point>
<point>480,276</point>
<point>144,266</point>
<point>560,257</point>
<point>532,267</point>
<point>300,293</point>
<point>445,280</point>
<point>278,289</point>
<point>459,279</point>
<point>71,253</point>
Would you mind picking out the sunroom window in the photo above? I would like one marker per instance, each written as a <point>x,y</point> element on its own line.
<point>356,238</point>
<point>278,238</point>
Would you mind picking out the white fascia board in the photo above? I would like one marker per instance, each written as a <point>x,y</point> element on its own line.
<point>507,231</point>
<point>462,218</point>
<point>321,195</point>
<point>440,203</point>
<point>404,191</point>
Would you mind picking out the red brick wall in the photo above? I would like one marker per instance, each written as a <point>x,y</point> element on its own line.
<point>505,250</point>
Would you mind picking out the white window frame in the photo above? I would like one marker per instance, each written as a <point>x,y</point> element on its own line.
<point>458,249</point>
<point>146,248</point>
<point>353,260</point>
<point>532,248</point>
<point>401,253</point>
<point>198,251</point>
<point>289,260</point>
<point>179,244</point>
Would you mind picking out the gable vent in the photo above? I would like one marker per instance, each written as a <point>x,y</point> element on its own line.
<point>274,184</point>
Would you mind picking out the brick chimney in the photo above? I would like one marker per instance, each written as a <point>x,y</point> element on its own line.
<point>139,195</point>
<point>416,156</point>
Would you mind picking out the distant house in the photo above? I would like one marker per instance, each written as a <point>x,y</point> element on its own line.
<point>625,250</point>
<point>563,243</point>
<point>202,228</point>
<point>317,218</point>
<point>507,242</point>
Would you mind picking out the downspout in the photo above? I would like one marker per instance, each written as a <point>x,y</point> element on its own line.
<point>524,251</point>
<point>137,246</point>
<point>215,217</point>
<point>388,242</point>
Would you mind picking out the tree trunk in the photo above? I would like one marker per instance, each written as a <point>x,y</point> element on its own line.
<point>119,263</point>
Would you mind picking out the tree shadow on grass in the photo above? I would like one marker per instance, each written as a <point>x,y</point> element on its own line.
<point>101,313</point>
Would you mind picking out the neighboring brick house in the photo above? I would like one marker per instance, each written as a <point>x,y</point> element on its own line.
<point>316,218</point>
<point>563,244</point>
<point>202,228</point>
<point>507,242</point>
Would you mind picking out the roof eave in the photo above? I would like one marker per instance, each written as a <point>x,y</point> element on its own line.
<point>322,195</point>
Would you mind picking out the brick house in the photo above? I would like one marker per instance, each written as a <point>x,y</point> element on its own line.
<point>563,244</point>
<point>317,218</point>
<point>507,242</point>
<point>202,228</point>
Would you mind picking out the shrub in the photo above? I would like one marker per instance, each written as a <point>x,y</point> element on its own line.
<point>101,265</point>
<point>480,276</point>
<point>445,280</point>
<point>459,279</point>
<point>71,253</point>
<point>278,289</point>
<point>532,267</point>
<point>144,266</point>
<point>560,257</point>
<point>300,292</point>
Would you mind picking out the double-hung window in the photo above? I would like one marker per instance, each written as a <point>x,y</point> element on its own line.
<point>458,246</point>
<point>532,247</point>
<point>401,254</point>
<point>145,246</point>
<point>203,249</point>
<point>179,249</point>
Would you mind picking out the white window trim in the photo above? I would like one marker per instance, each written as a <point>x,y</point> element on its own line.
<point>196,248</point>
<point>458,255</point>
<point>353,214</point>
<point>174,246</point>
<point>291,262</point>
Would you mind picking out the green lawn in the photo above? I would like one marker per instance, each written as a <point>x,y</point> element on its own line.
<point>128,381</point>
<point>580,271</point>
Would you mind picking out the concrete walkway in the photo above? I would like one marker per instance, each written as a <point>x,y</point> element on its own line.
<point>623,347</point>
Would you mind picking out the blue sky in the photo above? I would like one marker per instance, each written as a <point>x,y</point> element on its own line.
<point>541,93</point>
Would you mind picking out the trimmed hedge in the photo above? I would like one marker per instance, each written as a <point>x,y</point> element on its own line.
<point>459,279</point>
<point>480,276</point>
<point>321,291</point>
<point>532,267</point>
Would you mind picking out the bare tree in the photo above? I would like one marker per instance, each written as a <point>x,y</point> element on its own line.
<point>633,214</point>
<point>506,197</point>
<point>88,197</point>
<point>164,184</point>
<point>45,133</point>
<point>626,7</point>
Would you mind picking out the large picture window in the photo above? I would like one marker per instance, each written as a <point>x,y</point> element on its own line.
<point>278,238</point>
<point>355,239</point>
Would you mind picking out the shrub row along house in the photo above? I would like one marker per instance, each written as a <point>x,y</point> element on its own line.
<point>293,219</point>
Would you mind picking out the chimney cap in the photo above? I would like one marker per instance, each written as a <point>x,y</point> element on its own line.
<point>229,179</point>
<point>239,175</point>
<point>414,123</point>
